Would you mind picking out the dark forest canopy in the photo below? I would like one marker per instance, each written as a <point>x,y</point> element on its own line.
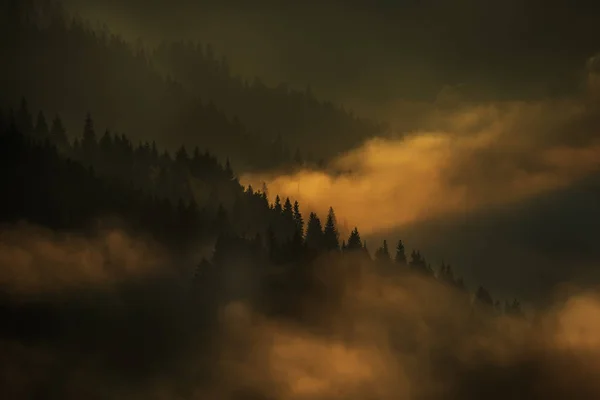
<point>173,94</point>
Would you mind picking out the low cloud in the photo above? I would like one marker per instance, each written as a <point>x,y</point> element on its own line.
<point>359,334</point>
<point>461,157</point>
<point>34,260</point>
<point>412,338</point>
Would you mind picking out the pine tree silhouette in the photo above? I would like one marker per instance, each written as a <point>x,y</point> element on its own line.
<point>88,141</point>
<point>382,254</point>
<point>298,219</point>
<point>400,257</point>
<point>277,205</point>
<point>314,233</point>
<point>483,297</point>
<point>354,240</point>
<point>288,211</point>
<point>330,233</point>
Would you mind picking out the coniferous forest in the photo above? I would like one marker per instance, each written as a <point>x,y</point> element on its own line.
<point>136,265</point>
<point>182,88</point>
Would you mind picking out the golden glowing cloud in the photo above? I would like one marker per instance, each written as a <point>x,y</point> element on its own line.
<point>408,337</point>
<point>36,260</point>
<point>465,158</point>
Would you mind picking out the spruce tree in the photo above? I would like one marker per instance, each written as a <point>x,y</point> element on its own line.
<point>181,156</point>
<point>354,240</point>
<point>106,143</point>
<point>382,255</point>
<point>400,257</point>
<point>228,170</point>
<point>483,298</point>
<point>331,237</point>
<point>314,232</point>
<point>298,219</point>
<point>288,210</point>
<point>446,275</point>
<point>88,141</point>
<point>277,205</point>
<point>288,223</point>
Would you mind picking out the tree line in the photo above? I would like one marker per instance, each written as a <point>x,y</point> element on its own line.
<point>181,200</point>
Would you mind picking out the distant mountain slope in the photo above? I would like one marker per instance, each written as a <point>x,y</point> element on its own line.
<point>176,94</point>
<point>319,127</point>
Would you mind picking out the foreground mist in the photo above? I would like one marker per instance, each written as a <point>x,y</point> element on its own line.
<point>117,317</point>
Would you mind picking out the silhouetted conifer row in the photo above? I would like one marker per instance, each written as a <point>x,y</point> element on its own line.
<point>181,199</point>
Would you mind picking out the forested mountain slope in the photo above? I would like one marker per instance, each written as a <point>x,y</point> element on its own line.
<point>182,201</point>
<point>177,93</point>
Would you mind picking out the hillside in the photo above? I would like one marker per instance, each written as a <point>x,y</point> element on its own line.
<point>173,94</point>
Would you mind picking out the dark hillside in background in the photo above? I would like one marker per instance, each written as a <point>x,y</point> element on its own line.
<point>177,93</point>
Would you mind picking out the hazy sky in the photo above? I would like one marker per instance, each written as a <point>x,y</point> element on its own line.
<point>370,52</point>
